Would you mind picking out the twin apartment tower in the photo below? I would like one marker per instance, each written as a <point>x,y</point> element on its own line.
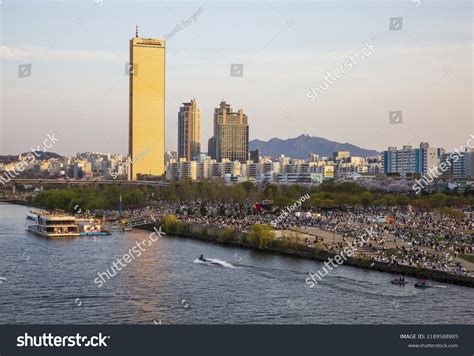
<point>147,117</point>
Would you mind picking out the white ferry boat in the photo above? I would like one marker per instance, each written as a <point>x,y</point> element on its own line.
<point>52,225</point>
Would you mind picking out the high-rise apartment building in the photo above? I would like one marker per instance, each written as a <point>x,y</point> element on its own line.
<point>147,106</point>
<point>411,160</point>
<point>255,156</point>
<point>340,155</point>
<point>231,134</point>
<point>458,165</point>
<point>211,148</point>
<point>189,130</point>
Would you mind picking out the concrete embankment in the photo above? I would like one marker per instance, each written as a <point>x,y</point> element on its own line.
<point>214,235</point>
<point>14,201</point>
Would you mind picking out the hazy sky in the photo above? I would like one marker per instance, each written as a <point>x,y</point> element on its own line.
<point>78,88</point>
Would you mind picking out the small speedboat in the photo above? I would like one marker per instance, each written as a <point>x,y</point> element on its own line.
<point>422,285</point>
<point>202,259</point>
<point>398,281</point>
<point>212,261</point>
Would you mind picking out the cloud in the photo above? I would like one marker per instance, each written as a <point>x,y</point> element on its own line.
<point>54,54</point>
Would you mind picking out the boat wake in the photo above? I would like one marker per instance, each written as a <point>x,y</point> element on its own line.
<point>214,262</point>
<point>364,287</point>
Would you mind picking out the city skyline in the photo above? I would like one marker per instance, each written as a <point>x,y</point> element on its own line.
<point>273,164</point>
<point>430,67</point>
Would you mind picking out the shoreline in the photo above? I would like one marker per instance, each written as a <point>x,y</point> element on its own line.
<point>16,202</point>
<point>215,235</point>
<point>302,251</point>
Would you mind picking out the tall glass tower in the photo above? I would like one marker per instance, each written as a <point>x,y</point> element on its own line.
<point>189,130</point>
<point>147,106</point>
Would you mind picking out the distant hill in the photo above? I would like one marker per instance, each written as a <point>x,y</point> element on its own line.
<point>303,145</point>
<point>41,156</point>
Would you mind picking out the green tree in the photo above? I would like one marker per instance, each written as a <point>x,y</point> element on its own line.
<point>261,236</point>
<point>367,198</point>
<point>250,190</point>
<point>170,223</point>
<point>437,200</point>
<point>457,214</point>
<point>271,191</point>
<point>343,199</point>
<point>402,200</point>
<point>184,190</point>
<point>388,200</point>
<point>238,194</point>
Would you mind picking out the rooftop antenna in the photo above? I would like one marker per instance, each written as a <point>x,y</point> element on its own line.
<point>136,31</point>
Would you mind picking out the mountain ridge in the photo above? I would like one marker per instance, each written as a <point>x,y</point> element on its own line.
<point>303,145</point>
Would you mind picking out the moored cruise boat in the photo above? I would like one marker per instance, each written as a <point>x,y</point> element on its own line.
<point>52,225</point>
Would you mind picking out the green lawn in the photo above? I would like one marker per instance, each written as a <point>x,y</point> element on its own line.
<point>468,258</point>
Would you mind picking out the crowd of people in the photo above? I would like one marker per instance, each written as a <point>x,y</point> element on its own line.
<point>397,235</point>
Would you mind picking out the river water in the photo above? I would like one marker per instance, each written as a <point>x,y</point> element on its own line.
<point>52,281</point>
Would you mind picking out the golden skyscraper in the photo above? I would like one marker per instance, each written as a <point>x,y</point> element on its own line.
<point>147,106</point>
